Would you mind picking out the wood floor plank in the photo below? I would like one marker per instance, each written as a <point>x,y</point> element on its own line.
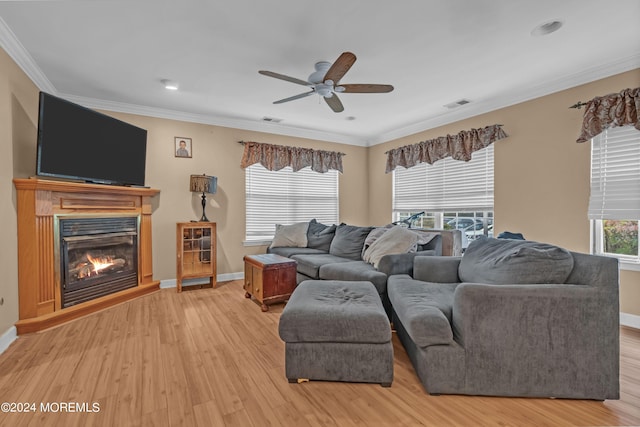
<point>211,357</point>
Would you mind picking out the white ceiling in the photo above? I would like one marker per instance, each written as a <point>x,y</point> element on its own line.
<point>112,54</point>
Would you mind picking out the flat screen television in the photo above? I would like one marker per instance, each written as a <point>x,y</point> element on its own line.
<point>77,143</point>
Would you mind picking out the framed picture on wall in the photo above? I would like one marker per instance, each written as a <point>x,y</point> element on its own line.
<point>182,147</point>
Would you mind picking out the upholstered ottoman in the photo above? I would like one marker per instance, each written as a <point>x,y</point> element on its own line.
<point>337,331</point>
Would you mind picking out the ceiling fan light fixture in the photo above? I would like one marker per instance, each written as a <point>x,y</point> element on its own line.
<point>325,90</point>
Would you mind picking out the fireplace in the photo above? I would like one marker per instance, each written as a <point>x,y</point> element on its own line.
<point>52,248</point>
<point>98,257</point>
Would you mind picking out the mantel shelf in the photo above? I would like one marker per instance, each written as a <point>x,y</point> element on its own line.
<point>35,183</point>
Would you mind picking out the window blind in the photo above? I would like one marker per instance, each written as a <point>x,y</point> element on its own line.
<point>287,197</point>
<point>447,185</point>
<point>615,174</point>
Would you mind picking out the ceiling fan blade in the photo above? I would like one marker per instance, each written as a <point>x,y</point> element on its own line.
<point>366,88</point>
<point>340,67</point>
<point>291,98</point>
<point>334,103</point>
<point>283,77</point>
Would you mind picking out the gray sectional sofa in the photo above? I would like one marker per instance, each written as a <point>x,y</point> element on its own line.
<point>336,252</point>
<point>511,318</point>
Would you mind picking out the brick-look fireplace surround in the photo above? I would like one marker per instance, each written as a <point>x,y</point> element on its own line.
<point>44,207</point>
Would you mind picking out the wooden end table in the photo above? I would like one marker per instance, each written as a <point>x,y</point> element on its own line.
<point>270,278</point>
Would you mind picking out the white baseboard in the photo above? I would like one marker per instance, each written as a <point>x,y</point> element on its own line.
<point>630,320</point>
<point>172,283</point>
<point>7,338</point>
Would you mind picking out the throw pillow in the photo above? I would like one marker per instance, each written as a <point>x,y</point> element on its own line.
<point>502,261</point>
<point>397,240</point>
<point>294,235</point>
<point>348,241</point>
<point>319,236</point>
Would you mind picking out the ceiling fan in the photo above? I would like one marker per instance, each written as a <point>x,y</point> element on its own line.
<point>324,81</point>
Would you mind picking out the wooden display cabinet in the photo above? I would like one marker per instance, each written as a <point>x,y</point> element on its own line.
<point>270,278</point>
<point>196,253</point>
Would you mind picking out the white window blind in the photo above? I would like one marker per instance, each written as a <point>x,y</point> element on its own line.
<point>615,174</point>
<point>447,185</point>
<point>286,197</point>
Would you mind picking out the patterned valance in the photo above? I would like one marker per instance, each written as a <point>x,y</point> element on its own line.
<point>276,157</point>
<point>459,147</point>
<point>616,109</point>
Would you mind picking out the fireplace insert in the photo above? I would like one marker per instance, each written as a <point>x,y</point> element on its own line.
<point>98,256</point>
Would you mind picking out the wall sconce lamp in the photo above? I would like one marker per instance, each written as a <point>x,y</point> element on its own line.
<point>203,184</point>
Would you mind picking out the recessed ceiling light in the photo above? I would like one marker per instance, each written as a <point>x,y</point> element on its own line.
<point>169,85</point>
<point>547,28</point>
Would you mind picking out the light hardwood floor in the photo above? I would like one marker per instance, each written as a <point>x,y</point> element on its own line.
<point>210,357</point>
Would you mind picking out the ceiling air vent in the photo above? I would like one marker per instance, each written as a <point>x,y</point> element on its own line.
<point>271,120</point>
<point>458,103</point>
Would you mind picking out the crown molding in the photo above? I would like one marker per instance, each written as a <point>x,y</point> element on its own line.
<point>236,123</point>
<point>19,54</point>
<point>471,110</point>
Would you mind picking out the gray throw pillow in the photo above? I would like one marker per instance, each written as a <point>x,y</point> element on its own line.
<point>319,236</point>
<point>349,241</point>
<point>500,262</point>
<point>294,235</point>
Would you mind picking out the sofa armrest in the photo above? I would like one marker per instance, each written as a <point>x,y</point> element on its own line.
<point>442,269</point>
<point>400,263</point>
<point>525,334</point>
<point>481,311</point>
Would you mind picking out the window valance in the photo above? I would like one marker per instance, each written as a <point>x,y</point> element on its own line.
<point>616,109</point>
<point>275,157</point>
<point>459,147</point>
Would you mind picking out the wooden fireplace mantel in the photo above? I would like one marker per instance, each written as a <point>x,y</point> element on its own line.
<point>40,202</point>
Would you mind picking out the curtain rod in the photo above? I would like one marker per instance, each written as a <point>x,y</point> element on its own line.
<point>578,105</point>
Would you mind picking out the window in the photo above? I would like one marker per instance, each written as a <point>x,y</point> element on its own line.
<point>454,194</point>
<point>286,197</point>
<point>614,203</point>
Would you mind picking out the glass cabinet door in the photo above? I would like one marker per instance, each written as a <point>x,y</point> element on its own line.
<point>196,250</point>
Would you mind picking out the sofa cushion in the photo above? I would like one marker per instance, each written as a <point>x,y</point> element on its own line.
<point>349,241</point>
<point>319,236</point>
<point>500,261</point>
<point>354,271</point>
<point>396,240</point>
<point>423,308</point>
<point>289,251</point>
<point>310,264</point>
<point>294,235</point>
<point>334,311</point>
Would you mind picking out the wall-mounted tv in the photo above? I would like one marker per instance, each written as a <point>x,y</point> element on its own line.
<point>78,143</point>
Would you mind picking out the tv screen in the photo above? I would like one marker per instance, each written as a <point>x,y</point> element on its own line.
<point>78,143</point>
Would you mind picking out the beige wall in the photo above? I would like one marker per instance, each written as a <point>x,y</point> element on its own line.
<point>541,176</point>
<point>18,129</point>
<point>216,152</point>
<point>541,173</point>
